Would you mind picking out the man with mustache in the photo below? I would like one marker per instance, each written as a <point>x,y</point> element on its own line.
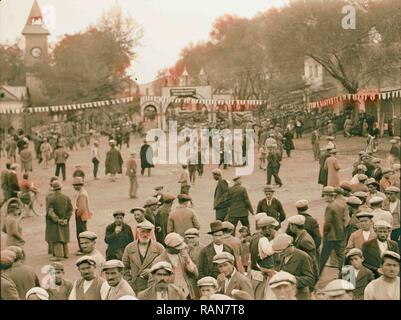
<point>115,286</point>
<point>162,288</point>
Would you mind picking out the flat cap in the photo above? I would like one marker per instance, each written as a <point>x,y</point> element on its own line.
<point>376,199</point>
<point>280,278</point>
<point>338,287</point>
<point>240,295</point>
<point>328,190</point>
<point>391,254</point>
<point>387,170</point>
<point>333,151</point>
<point>223,257</point>
<point>88,235</point>
<point>392,189</point>
<point>110,264</point>
<point>371,181</point>
<point>7,257</point>
<point>360,194</point>
<point>161,265</point>
<point>118,213</point>
<point>158,188</point>
<point>364,214</point>
<point>57,266</point>
<point>40,292</point>
<point>268,188</point>
<point>184,197</point>
<point>301,203</point>
<point>265,221</point>
<point>362,167</point>
<point>207,281</point>
<point>112,142</point>
<point>281,242</point>
<point>191,232</point>
<point>355,252</point>
<point>174,240</point>
<point>14,166</point>
<point>383,224</point>
<point>137,209</point>
<point>151,201</point>
<point>362,177</point>
<point>56,185</point>
<point>217,171</point>
<point>145,225</point>
<point>87,259</point>
<point>354,200</point>
<point>376,160</point>
<point>298,219</point>
<point>228,225</point>
<point>168,197</point>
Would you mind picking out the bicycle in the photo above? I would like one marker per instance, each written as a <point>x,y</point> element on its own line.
<point>29,201</point>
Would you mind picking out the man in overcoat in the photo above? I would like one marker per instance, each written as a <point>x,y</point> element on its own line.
<point>114,161</point>
<point>118,236</point>
<point>220,203</point>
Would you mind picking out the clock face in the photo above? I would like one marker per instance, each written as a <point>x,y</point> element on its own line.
<point>36,52</point>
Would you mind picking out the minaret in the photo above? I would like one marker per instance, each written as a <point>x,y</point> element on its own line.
<point>184,78</point>
<point>36,49</point>
<point>203,80</point>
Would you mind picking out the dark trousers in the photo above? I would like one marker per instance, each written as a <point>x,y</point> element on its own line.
<point>235,220</point>
<point>143,171</point>
<point>395,236</point>
<point>288,151</point>
<point>274,173</point>
<point>95,167</point>
<point>62,167</point>
<point>81,227</point>
<point>221,214</point>
<point>328,247</point>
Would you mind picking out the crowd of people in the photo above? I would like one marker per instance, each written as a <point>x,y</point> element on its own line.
<point>161,257</point>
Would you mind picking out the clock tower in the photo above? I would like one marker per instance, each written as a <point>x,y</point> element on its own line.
<point>36,50</point>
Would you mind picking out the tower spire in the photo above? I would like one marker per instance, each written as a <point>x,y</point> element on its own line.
<point>34,24</point>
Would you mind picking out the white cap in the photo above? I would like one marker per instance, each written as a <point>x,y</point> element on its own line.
<point>297,219</point>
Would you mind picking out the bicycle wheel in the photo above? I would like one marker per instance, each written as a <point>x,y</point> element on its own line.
<point>37,206</point>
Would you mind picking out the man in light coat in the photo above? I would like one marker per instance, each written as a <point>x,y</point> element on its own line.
<point>182,218</point>
<point>332,166</point>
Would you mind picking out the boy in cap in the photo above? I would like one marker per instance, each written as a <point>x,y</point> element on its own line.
<point>207,286</point>
<point>374,249</point>
<point>61,288</point>
<point>387,287</point>
<point>363,234</point>
<point>284,286</point>
<point>115,285</point>
<point>182,218</point>
<point>162,288</point>
<point>89,285</point>
<point>118,236</point>
<point>356,273</point>
<point>87,241</point>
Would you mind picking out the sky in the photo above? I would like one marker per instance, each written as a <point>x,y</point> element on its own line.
<point>169,25</point>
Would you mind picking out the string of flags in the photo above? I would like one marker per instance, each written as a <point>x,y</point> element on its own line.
<point>238,105</point>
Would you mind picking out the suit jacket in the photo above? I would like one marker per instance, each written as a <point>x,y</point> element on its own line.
<point>131,168</point>
<point>220,194</point>
<point>239,202</point>
<point>356,240</point>
<point>236,245</point>
<point>305,243</point>
<point>275,210</point>
<point>24,278</point>
<point>8,288</point>
<point>206,267</point>
<point>372,255</point>
<point>362,280</point>
<point>334,222</point>
<point>117,241</point>
<point>238,281</point>
<point>134,266</point>
<point>174,293</point>
<point>181,219</point>
<point>312,227</point>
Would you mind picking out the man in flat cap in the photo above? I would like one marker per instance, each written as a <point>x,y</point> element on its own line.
<point>229,278</point>
<point>162,287</point>
<point>191,237</point>
<point>339,289</point>
<point>159,194</point>
<point>184,269</point>
<point>373,187</point>
<point>115,285</point>
<point>235,243</point>
<point>12,225</point>
<point>311,225</point>
<point>81,208</point>
<point>324,155</point>
<point>357,273</point>
<point>353,204</point>
<point>240,205</point>
<point>271,205</point>
<point>206,267</point>
<point>374,249</point>
<point>361,169</point>
<point>392,204</point>
<point>387,286</point>
<point>333,167</point>
<point>87,240</point>
<point>118,236</point>
<point>365,233</point>
<point>61,288</point>
<point>207,286</point>
<point>182,218</point>
<point>131,174</point>
<point>114,161</point>
<point>9,290</point>
<point>376,204</point>
<point>385,181</point>
<point>150,206</point>
<point>146,155</point>
<point>24,276</point>
<point>162,216</point>
<point>360,185</point>
<point>89,285</point>
<point>139,255</point>
<point>273,165</point>
<point>60,156</point>
<point>284,286</point>
<point>59,211</point>
<point>295,261</point>
<point>220,202</point>
<point>377,172</point>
